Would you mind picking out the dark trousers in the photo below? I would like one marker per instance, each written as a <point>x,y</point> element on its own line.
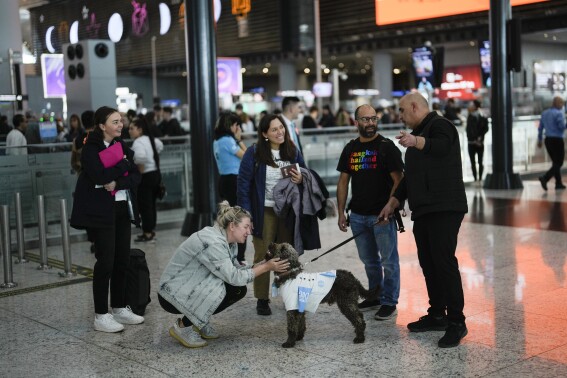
<point>147,191</point>
<point>476,150</point>
<point>436,238</point>
<point>233,295</point>
<point>112,257</point>
<point>227,191</point>
<point>556,150</point>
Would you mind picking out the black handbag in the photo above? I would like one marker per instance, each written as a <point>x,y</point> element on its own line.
<point>161,191</point>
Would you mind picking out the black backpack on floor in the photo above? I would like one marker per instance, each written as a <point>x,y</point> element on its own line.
<point>138,282</point>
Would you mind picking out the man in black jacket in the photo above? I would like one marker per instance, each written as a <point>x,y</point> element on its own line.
<point>433,185</point>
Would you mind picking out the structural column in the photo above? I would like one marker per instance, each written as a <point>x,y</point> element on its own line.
<point>288,76</point>
<point>203,109</point>
<point>503,176</point>
<point>10,38</point>
<point>382,74</point>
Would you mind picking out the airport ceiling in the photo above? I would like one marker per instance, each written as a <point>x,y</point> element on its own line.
<point>352,61</point>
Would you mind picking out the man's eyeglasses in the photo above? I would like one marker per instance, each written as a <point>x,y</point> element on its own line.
<point>368,119</point>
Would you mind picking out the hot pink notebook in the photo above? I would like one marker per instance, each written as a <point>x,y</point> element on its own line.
<point>112,156</point>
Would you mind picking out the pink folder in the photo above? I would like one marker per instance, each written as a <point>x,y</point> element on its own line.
<point>112,156</point>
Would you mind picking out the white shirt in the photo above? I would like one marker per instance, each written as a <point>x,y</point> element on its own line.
<point>16,138</point>
<point>313,287</point>
<point>143,153</point>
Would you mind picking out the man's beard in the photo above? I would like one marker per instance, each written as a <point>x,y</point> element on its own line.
<point>367,131</point>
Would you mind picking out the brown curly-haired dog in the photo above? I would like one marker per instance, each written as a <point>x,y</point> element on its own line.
<point>346,291</point>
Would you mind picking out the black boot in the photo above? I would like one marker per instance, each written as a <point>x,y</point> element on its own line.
<point>263,307</point>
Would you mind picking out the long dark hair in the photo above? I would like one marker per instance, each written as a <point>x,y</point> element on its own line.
<point>263,149</point>
<point>224,123</point>
<point>79,125</point>
<point>141,123</point>
<point>100,117</point>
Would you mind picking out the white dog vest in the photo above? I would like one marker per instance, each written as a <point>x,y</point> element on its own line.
<point>307,290</point>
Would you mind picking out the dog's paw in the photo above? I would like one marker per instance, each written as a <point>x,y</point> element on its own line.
<point>288,344</point>
<point>358,340</point>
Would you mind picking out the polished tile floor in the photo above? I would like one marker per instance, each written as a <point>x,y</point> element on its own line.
<point>512,253</point>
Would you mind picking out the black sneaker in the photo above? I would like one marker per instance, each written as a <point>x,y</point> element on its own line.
<point>543,182</point>
<point>429,323</point>
<point>367,305</point>
<point>453,335</point>
<point>560,186</point>
<point>386,312</point>
<point>263,307</point>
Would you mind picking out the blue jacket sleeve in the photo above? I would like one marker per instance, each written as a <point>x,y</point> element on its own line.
<point>245,180</point>
<point>300,160</point>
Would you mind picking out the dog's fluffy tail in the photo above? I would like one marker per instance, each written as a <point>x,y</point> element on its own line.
<point>371,293</point>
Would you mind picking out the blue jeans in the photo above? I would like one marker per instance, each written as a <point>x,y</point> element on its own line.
<point>378,250</point>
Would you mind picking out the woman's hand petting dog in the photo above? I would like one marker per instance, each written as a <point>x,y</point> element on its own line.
<point>277,264</point>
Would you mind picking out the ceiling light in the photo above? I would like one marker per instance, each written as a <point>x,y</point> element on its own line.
<point>306,70</point>
<point>242,70</point>
<point>268,65</point>
<point>327,71</point>
<point>472,43</point>
<point>367,66</point>
<point>341,65</point>
<point>265,70</point>
<point>396,71</point>
<point>363,71</point>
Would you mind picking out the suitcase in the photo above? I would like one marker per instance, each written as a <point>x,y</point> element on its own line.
<point>137,282</point>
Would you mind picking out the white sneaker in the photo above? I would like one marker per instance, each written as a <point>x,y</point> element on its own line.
<point>106,323</point>
<point>207,332</point>
<point>186,336</point>
<point>125,315</point>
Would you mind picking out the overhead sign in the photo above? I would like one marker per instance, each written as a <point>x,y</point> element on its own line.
<point>396,11</point>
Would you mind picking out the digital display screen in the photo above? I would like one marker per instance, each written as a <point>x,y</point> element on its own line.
<point>484,51</point>
<point>460,82</point>
<point>550,75</point>
<point>53,75</point>
<point>397,11</point>
<point>323,89</point>
<point>229,75</point>
<point>422,61</point>
<point>48,131</point>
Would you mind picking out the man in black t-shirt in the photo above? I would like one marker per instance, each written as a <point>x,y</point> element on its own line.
<point>375,166</point>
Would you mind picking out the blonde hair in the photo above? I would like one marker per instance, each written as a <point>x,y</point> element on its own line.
<point>230,214</point>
